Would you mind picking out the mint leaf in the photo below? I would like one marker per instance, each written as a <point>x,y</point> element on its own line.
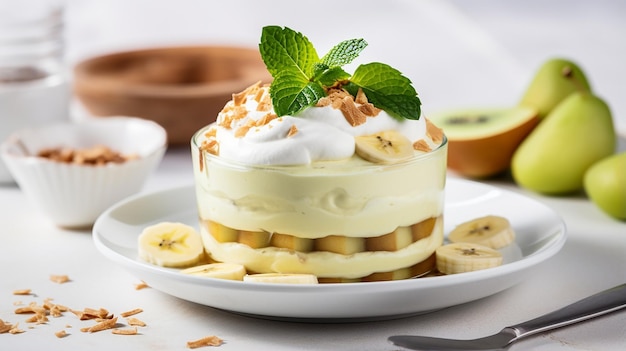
<point>387,89</point>
<point>291,93</point>
<point>344,52</point>
<point>332,75</point>
<point>285,49</point>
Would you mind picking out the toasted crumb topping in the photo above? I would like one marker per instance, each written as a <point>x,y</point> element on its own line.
<point>211,146</point>
<point>360,97</point>
<point>267,118</point>
<point>292,131</point>
<point>435,133</point>
<point>421,145</point>
<point>242,131</point>
<point>264,100</point>
<point>369,110</point>
<point>351,112</point>
<point>355,109</point>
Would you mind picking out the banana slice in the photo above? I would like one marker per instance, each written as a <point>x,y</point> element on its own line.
<point>387,146</point>
<point>230,271</point>
<point>492,231</point>
<point>466,257</point>
<point>282,278</point>
<point>170,244</point>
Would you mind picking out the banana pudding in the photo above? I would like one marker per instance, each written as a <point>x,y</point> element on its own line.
<point>343,182</point>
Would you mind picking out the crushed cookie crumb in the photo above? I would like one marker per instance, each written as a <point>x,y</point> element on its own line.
<point>325,101</point>
<point>5,327</point>
<point>61,334</point>
<point>38,319</point>
<point>265,102</point>
<point>369,110</point>
<point>212,132</point>
<point>211,146</point>
<point>103,325</point>
<point>239,112</point>
<point>360,97</point>
<point>206,341</point>
<point>57,310</point>
<point>135,322</point>
<point>31,308</point>
<point>15,329</point>
<point>128,331</point>
<point>60,279</point>
<point>141,285</point>
<point>292,131</point>
<point>351,113</point>
<point>267,118</point>
<point>91,313</point>
<point>259,95</point>
<point>240,98</point>
<point>22,292</point>
<point>337,94</point>
<point>241,131</point>
<point>421,145</point>
<point>435,133</point>
<point>131,312</point>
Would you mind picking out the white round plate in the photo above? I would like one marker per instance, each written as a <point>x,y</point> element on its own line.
<point>540,235</point>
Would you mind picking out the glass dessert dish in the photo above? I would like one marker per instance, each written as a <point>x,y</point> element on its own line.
<point>342,221</point>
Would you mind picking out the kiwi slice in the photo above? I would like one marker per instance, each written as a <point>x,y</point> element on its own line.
<point>481,141</point>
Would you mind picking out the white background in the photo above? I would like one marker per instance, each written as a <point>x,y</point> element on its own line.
<point>457,53</point>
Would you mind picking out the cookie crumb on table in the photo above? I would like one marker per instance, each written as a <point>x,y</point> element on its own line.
<point>206,341</point>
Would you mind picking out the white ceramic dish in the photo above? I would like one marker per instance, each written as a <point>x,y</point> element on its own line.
<point>540,235</point>
<point>74,195</point>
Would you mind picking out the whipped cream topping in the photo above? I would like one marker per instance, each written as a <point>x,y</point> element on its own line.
<point>316,134</point>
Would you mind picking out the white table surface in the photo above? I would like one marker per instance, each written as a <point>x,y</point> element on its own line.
<point>457,54</point>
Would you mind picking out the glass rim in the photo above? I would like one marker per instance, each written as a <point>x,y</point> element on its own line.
<point>321,164</point>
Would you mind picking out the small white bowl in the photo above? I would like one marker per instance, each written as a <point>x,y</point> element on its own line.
<point>74,195</point>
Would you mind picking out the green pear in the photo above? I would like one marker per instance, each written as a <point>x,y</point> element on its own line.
<point>555,80</point>
<point>555,155</point>
<point>605,184</point>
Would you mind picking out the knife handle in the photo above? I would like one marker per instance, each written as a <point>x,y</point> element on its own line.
<point>593,306</point>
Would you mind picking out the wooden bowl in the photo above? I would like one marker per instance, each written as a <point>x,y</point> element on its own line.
<point>180,88</point>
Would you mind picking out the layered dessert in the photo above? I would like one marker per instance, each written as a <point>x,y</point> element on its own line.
<point>344,186</point>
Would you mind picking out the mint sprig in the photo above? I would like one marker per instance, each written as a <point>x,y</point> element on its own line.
<point>301,77</point>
